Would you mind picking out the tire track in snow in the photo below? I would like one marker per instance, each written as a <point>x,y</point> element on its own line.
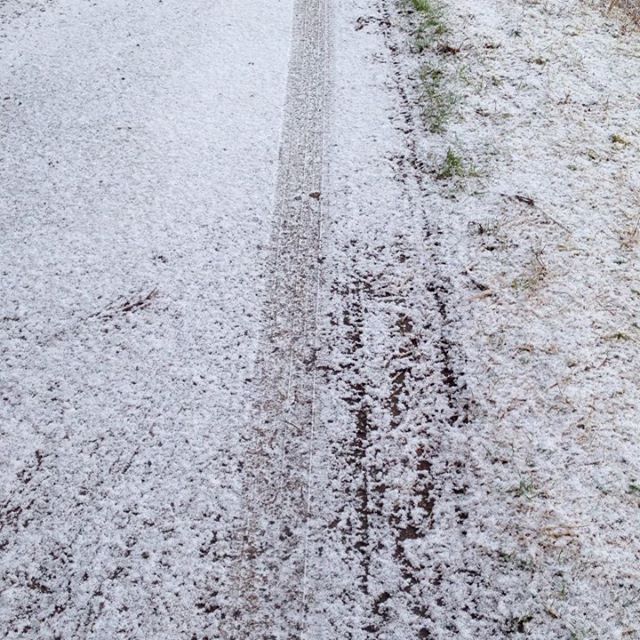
<point>391,381</point>
<point>269,588</point>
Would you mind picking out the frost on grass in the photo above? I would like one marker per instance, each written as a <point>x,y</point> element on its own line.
<point>544,238</point>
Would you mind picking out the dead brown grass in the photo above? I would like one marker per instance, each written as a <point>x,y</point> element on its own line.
<point>630,7</point>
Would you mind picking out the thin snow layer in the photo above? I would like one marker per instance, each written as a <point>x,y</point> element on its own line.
<point>139,146</point>
<point>543,237</point>
<point>138,172</point>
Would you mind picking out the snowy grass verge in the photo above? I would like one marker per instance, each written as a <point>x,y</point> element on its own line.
<point>542,237</point>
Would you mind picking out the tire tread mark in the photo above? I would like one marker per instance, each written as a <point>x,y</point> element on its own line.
<point>269,586</point>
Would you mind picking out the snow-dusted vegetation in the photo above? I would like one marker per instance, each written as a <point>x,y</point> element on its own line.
<point>541,216</point>
<point>631,7</point>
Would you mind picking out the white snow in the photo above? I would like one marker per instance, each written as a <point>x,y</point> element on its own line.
<point>469,391</point>
<point>139,146</point>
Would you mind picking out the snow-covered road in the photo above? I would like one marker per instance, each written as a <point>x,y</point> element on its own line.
<point>225,370</point>
<point>138,172</point>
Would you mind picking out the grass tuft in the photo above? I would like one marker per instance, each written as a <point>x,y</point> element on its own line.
<point>432,23</point>
<point>616,138</point>
<point>440,100</point>
<point>452,167</point>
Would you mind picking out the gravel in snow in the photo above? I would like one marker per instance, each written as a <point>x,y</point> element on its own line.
<point>265,375</point>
